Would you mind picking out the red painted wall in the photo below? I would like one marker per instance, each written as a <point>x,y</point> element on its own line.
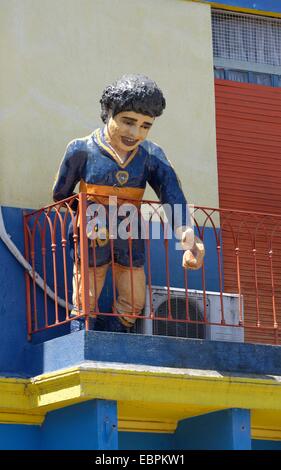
<point>248,122</point>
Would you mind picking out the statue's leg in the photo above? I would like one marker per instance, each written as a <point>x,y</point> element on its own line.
<point>130,283</point>
<point>96,281</point>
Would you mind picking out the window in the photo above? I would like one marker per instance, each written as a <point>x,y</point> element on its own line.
<point>247,48</point>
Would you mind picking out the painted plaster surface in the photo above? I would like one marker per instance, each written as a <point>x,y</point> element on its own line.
<point>58,57</point>
<point>153,351</point>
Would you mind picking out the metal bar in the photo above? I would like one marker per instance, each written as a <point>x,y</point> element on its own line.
<point>186,295</point>
<point>27,280</point>
<point>84,259</point>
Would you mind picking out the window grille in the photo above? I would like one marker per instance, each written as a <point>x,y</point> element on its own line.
<point>249,38</point>
<point>246,47</point>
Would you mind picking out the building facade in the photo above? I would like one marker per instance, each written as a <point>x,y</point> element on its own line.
<point>101,390</point>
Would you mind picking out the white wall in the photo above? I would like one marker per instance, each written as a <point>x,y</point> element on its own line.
<point>57,56</point>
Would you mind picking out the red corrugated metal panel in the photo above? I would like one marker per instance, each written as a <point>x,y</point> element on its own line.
<point>248,121</point>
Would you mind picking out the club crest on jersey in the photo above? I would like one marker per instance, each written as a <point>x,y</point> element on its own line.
<point>122,177</point>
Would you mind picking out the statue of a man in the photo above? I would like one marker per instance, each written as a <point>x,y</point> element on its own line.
<point>118,160</point>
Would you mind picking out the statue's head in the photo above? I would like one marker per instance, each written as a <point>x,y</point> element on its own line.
<point>134,92</point>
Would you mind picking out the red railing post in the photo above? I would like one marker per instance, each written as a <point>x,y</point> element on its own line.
<point>27,281</point>
<point>84,258</point>
<point>256,288</point>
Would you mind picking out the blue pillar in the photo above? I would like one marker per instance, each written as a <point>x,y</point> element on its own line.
<point>84,426</point>
<point>222,430</point>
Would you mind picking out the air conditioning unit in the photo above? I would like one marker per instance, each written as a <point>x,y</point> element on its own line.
<point>216,332</point>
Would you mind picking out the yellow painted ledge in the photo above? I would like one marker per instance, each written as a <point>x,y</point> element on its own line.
<point>15,403</point>
<point>19,417</point>
<point>150,399</point>
<point>265,433</point>
<point>237,9</point>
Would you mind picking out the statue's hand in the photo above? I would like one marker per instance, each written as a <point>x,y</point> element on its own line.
<point>193,258</point>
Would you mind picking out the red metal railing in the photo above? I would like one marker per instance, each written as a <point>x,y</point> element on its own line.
<point>243,258</point>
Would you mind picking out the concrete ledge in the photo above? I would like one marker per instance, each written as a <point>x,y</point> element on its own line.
<point>75,348</point>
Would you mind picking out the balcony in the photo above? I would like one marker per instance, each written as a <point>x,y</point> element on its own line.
<point>234,297</point>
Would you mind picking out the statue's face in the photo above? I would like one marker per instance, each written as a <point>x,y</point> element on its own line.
<point>127,130</point>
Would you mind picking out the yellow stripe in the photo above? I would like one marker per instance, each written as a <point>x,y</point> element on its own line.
<point>239,9</point>
<point>16,404</point>
<point>22,418</point>
<point>138,425</point>
<point>111,152</point>
<point>266,434</point>
<point>97,134</point>
<point>150,399</point>
<point>99,190</point>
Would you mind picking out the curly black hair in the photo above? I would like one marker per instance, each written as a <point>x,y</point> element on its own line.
<point>133,92</point>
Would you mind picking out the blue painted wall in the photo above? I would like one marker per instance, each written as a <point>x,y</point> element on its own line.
<point>92,425</point>
<point>158,265</point>
<point>258,444</point>
<point>13,331</point>
<point>262,5</point>
<point>89,425</point>
<point>84,426</point>
<point>157,441</point>
<point>19,437</point>
<point>82,346</point>
<point>146,441</point>
<point>221,430</point>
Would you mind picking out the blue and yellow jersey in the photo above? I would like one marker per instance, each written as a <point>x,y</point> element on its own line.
<point>91,162</point>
